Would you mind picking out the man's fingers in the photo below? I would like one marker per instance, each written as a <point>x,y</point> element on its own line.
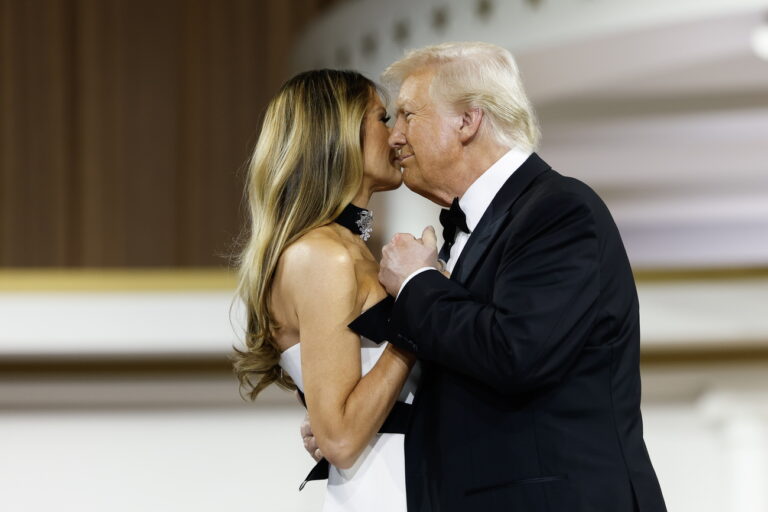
<point>306,428</point>
<point>309,440</point>
<point>428,237</point>
<point>402,237</point>
<point>310,444</point>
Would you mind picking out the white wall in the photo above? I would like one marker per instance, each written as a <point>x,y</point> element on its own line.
<point>235,459</point>
<point>147,453</point>
<point>94,441</point>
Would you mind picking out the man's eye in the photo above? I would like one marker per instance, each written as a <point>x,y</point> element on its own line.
<point>385,119</point>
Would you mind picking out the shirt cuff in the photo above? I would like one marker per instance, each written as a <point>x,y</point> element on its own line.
<point>416,272</point>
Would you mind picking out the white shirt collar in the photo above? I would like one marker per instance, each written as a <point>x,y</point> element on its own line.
<point>479,195</point>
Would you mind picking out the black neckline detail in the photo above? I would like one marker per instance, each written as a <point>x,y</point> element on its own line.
<point>357,220</point>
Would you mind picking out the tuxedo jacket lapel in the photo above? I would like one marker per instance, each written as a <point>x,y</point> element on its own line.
<point>495,216</point>
<point>476,246</point>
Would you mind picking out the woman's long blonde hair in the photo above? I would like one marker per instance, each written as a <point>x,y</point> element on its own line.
<point>306,167</point>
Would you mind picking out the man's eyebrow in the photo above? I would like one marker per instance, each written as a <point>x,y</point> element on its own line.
<point>401,105</point>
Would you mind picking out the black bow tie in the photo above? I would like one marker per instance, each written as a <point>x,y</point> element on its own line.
<point>453,219</point>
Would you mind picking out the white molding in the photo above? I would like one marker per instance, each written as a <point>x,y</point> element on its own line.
<point>678,314</point>
<point>104,323</point>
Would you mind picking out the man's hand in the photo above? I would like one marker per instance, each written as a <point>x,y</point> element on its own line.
<point>310,443</point>
<point>405,254</point>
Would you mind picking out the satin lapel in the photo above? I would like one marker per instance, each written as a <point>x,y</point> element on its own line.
<point>495,216</point>
<point>476,246</point>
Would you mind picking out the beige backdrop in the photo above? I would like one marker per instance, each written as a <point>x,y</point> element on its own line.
<point>125,125</point>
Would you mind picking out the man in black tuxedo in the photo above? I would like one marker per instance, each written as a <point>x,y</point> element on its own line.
<point>530,393</point>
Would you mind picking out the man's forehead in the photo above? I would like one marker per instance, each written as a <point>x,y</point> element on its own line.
<point>402,101</point>
<point>413,87</point>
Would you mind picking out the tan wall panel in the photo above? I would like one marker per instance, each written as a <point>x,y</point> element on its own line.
<point>101,209</point>
<point>126,125</point>
<point>37,191</point>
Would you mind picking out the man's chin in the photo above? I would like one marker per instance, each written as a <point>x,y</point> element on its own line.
<point>423,190</point>
<point>415,185</point>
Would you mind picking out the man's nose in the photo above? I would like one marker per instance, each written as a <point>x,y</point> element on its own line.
<point>396,137</point>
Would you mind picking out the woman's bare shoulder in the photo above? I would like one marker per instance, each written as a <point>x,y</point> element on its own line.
<point>319,247</point>
<point>319,259</point>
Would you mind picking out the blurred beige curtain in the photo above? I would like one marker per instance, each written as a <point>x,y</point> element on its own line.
<point>125,125</point>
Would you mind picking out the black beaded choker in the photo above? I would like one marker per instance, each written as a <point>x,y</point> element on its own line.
<point>357,220</point>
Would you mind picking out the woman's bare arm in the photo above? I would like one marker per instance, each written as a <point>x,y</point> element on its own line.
<point>346,410</point>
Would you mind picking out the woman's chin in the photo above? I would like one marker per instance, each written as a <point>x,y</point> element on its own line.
<point>392,185</point>
<point>399,182</point>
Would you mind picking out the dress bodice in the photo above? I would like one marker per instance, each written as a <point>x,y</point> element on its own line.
<point>373,327</point>
<point>370,351</point>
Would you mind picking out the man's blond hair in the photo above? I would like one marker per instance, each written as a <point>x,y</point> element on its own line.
<point>475,75</point>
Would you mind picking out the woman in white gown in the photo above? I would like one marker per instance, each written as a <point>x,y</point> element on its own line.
<point>316,312</point>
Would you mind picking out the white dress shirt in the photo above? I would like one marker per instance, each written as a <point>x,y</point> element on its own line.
<point>476,200</point>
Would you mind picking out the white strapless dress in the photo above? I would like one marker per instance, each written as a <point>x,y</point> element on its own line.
<point>376,482</point>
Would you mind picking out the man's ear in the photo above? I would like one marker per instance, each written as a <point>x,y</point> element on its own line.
<point>470,124</point>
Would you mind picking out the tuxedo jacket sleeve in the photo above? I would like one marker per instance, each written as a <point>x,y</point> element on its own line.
<point>527,333</point>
